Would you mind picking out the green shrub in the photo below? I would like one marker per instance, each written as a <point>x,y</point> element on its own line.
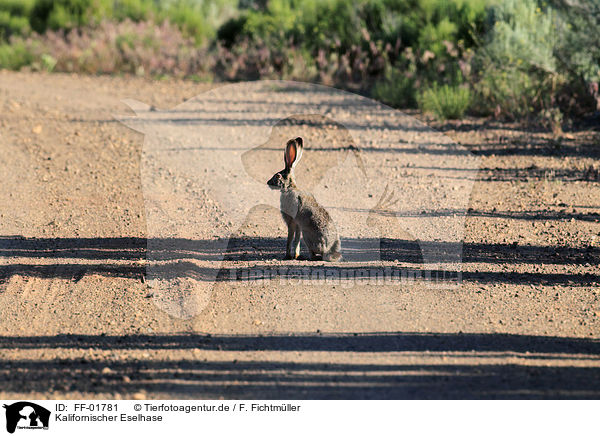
<point>323,24</point>
<point>319,24</point>
<point>517,71</point>
<point>15,55</point>
<point>17,8</point>
<point>12,25</point>
<point>520,58</point>
<point>195,18</point>
<point>396,89</point>
<point>47,62</point>
<point>578,53</point>
<point>198,19</point>
<point>134,10</point>
<point>445,102</point>
<point>67,14</point>
<point>522,35</point>
<point>578,41</point>
<point>14,18</point>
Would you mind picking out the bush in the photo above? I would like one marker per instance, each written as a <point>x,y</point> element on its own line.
<point>578,37</point>
<point>229,32</point>
<point>134,10</point>
<point>14,18</point>
<point>446,102</point>
<point>253,60</point>
<point>113,48</point>
<point>197,19</point>
<point>516,67</point>
<point>12,25</point>
<point>578,54</point>
<point>17,8</point>
<point>15,55</point>
<point>373,33</point>
<point>519,58</point>
<point>537,60</point>
<point>66,14</point>
<point>396,89</point>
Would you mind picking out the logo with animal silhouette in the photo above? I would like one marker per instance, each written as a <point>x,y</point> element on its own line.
<point>357,174</point>
<point>24,415</point>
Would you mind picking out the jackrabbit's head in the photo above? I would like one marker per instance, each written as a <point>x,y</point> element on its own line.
<point>284,178</point>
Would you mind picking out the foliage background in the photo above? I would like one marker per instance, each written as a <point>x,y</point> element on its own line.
<point>533,60</point>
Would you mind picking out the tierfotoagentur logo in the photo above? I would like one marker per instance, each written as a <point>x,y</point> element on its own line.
<point>395,190</point>
<point>25,415</point>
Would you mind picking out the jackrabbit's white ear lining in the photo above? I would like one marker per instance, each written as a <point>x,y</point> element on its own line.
<point>298,156</point>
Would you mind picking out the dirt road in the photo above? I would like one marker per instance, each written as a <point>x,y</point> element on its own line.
<point>79,319</point>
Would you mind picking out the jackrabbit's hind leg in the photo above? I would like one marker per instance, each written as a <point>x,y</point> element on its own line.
<point>332,257</point>
<point>315,256</point>
<point>334,253</point>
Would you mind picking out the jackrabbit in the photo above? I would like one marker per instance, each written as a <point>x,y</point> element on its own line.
<point>302,214</point>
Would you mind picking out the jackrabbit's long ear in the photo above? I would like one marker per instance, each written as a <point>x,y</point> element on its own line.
<point>300,147</point>
<point>293,152</point>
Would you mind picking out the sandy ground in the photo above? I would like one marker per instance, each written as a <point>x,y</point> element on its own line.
<point>78,318</point>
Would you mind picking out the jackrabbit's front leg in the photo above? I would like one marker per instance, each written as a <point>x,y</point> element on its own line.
<point>290,251</point>
<point>296,243</point>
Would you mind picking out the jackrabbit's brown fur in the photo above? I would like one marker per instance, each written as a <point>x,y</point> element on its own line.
<point>302,214</point>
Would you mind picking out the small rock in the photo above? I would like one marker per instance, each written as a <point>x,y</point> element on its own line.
<point>139,396</point>
<point>37,129</point>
